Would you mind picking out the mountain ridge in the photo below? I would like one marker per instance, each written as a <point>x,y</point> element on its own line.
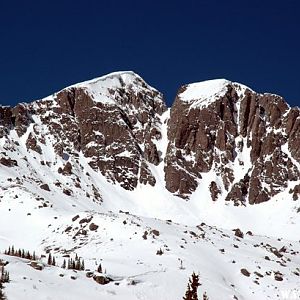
<point>139,108</point>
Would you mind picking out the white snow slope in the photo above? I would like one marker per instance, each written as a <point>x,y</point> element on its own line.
<point>132,226</point>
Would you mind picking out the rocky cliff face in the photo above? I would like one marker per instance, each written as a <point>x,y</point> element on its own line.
<point>113,121</point>
<point>239,145</point>
<point>248,142</point>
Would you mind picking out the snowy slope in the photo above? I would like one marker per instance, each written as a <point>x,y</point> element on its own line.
<point>133,224</point>
<point>205,92</point>
<point>130,259</point>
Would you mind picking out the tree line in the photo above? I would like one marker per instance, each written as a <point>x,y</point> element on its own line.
<point>78,264</point>
<point>20,253</point>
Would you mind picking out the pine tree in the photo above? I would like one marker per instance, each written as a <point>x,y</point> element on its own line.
<point>64,264</point>
<point>53,261</point>
<point>2,297</point>
<point>82,266</point>
<point>99,268</point>
<point>50,259</point>
<point>28,255</point>
<point>188,293</point>
<point>191,293</point>
<point>205,297</point>
<point>4,276</point>
<point>77,265</point>
<point>194,286</point>
<point>33,256</point>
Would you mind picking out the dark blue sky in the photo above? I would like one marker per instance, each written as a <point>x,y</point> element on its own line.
<point>47,45</point>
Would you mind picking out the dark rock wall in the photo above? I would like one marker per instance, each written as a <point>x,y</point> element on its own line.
<point>202,138</point>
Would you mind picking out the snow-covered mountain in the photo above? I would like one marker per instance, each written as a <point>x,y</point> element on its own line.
<point>105,170</point>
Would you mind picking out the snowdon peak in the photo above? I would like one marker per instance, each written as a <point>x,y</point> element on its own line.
<point>103,89</point>
<point>204,92</point>
<point>113,80</point>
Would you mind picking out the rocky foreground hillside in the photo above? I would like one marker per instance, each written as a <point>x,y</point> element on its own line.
<point>97,168</point>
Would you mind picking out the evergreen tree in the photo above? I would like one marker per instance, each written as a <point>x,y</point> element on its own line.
<point>2,297</point>
<point>64,264</point>
<point>194,286</point>
<point>82,266</point>
<point>77,264</point>
<point>191,293</point>
<point>50,259</point>
<point>28,255</point>
<point>188,293</point>
<point>205,297</point>
<point>53,261</point>
<point>4,276</point>
<point>99,268</point>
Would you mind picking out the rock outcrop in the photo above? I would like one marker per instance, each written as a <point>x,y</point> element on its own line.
<point>114,121</point>
<point>249,142</point>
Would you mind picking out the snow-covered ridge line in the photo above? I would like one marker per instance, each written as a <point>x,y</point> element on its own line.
<point>207,91</point>
<point>113,80</point>
<point>128,74</point>
<point>203,93</point>
<point>96,86</point>
<point>99,88</point>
